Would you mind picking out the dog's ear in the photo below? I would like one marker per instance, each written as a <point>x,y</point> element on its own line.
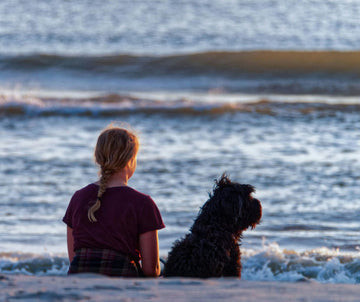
<point>250,212</point>
<point>245,194</point>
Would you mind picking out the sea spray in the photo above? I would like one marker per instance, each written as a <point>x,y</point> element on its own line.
<point>271,263</point>
<point>33,264</point>
<point>322,264</point>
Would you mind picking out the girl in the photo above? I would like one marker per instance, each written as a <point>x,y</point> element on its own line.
<point>111,226</point>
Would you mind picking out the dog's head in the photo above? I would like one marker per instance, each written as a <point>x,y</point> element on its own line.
<point>233,204</point>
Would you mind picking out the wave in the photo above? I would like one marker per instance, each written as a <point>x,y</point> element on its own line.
<point>109,105</point>
<point>228,63</point>
<point>33,264</point>
<point>322,264</point>
<point>271,263</point>
<point>283,72</point>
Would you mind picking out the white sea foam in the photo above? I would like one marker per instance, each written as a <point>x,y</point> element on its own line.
<point>271,263</point>
<point>33,264</point>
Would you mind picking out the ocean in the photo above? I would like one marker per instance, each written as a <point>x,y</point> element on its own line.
<point>267,91</point>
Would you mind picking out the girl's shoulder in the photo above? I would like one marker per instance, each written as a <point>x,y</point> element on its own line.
<point>130,193</point>
<point>136,192</point>
<point>90,189</point>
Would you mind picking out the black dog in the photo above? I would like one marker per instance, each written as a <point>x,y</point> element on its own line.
<point>211,249</point>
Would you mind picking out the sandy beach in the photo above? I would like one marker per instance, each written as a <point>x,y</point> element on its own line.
<point>98,288</point>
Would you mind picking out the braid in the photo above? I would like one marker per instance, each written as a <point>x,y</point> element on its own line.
<point>114,149</point>
<point>105,175</point>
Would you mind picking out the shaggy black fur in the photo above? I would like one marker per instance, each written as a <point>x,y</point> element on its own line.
<point>211,249</point>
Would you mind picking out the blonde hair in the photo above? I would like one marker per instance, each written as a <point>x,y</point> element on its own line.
<point>115,147</point>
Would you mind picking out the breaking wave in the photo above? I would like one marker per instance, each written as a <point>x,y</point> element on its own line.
<point>269,264</point>
<point>32,264</point>
<point>322,264</point>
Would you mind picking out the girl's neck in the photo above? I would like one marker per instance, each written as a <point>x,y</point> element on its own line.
<point>118,179</point>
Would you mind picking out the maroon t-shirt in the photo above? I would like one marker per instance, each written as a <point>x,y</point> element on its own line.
<point>124,214</point>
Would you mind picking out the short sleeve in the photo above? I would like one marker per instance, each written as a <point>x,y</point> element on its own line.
<point>68,214</point>
<point>150,218</point>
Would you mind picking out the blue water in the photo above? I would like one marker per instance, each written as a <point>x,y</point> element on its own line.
<point>158,27</point>
<point>267,91</point>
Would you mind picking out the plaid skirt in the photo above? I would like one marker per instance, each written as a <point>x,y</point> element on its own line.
<point>105,262</point>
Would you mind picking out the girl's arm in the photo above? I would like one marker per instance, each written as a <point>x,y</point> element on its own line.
<point>149,250</point>
<point>70,243</point>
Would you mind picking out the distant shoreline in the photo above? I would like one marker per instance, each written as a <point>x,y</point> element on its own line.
<point>99,288</point>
